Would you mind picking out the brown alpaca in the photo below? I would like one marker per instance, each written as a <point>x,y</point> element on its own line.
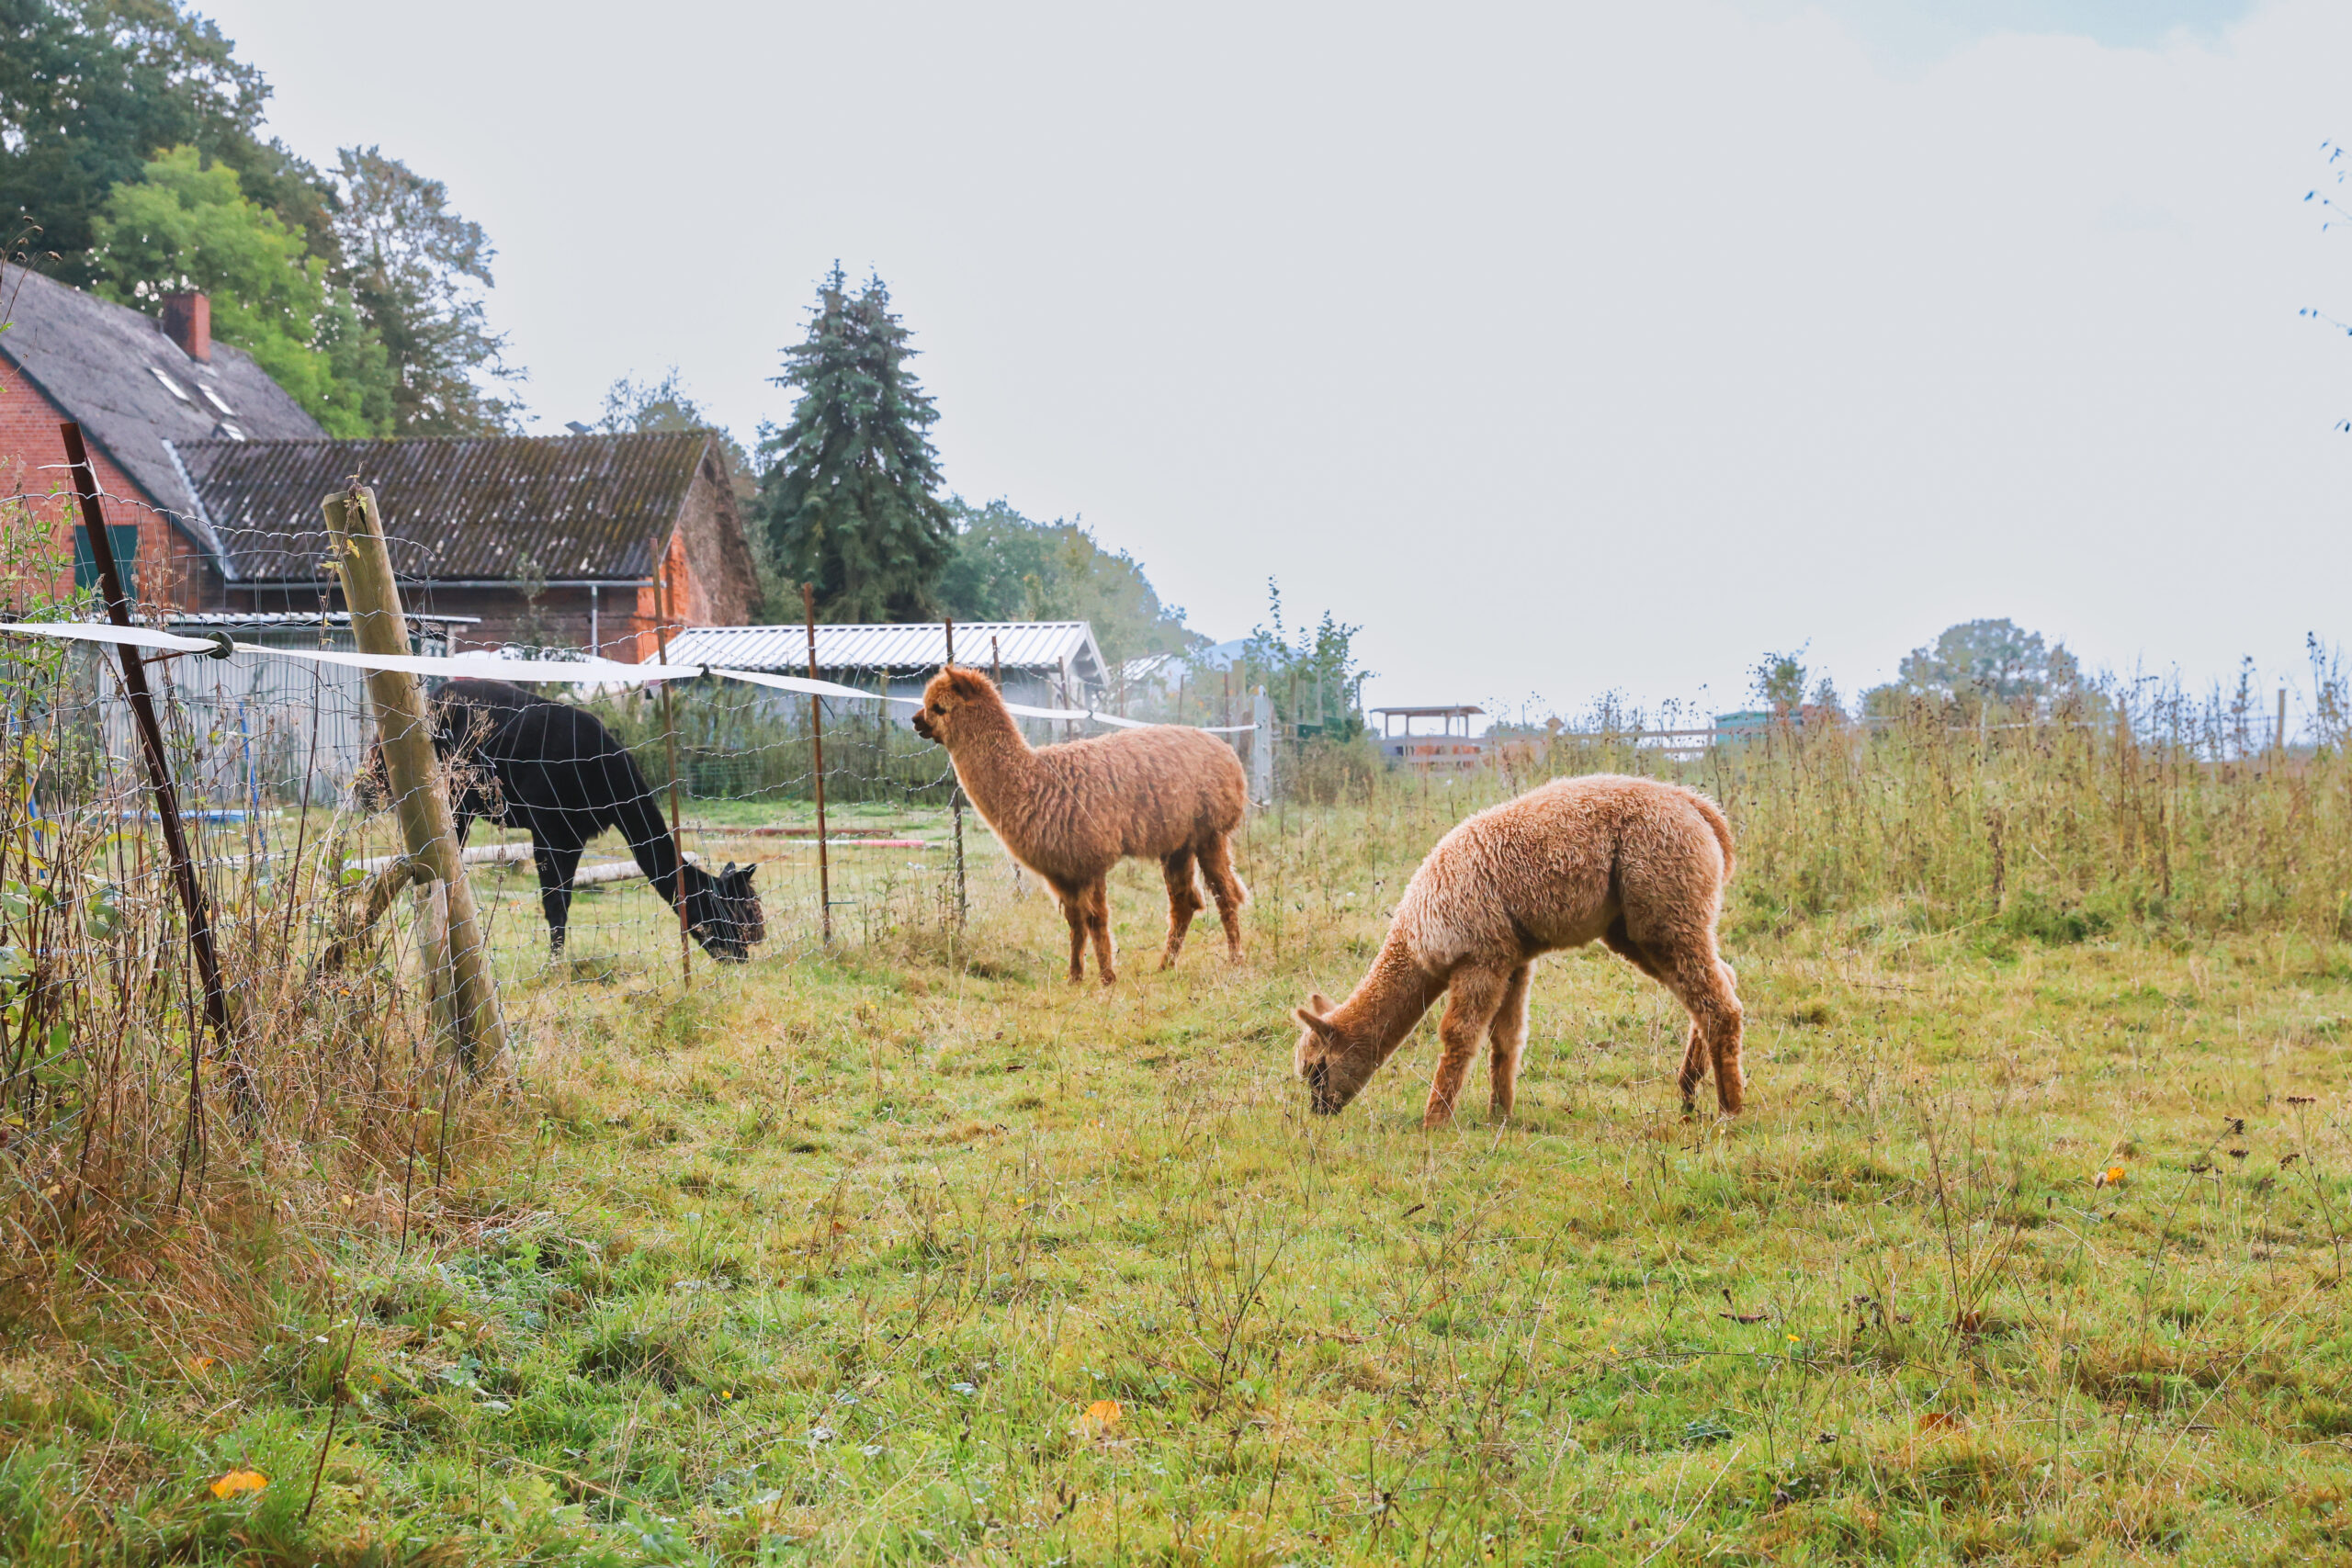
<point>1071,812</point>
<point>1637,863</point>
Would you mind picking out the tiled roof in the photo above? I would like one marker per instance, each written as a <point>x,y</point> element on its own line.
<point>1019,645</point>
<point>131,388</point>
<point>597,508</point>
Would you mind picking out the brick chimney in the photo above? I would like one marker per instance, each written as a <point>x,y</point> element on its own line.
<point>187,321</point>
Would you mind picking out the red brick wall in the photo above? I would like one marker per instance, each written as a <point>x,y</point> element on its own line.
<point>645,616</point>
<point>172,571</point>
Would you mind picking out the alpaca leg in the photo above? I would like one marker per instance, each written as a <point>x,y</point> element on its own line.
<point>1098,925</point>
<point>1509,1033</point>
<point>1074,912</point>
<point>556,865</point>
<point>1701,983</point>
<point>1651,962</point>
<point>1216,864</point>
<point>1183,902</point>
<point>1472,998</point>
<point>1731,1077</point>
<point>1657,961</point>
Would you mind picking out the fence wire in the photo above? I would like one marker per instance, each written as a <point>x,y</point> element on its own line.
<point>284,797</point>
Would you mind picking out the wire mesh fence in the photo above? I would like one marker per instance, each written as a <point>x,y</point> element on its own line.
<point>272,758</point>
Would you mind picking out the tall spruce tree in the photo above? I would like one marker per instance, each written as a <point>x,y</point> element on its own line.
<point>849,501</point>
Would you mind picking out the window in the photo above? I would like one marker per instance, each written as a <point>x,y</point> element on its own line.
<point>214,399</point>
<point>231,431</point>
<point>121,538</point>
<point>170,386</point>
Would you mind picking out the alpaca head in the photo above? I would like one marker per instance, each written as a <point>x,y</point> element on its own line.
<point>723,911</point>
<point>1333,1062</point>
<point>955,705</point>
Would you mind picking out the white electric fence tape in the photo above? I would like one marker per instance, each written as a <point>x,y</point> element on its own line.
<point>554,671</point>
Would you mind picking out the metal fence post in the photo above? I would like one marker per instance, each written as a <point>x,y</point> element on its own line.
<point>955,798</point>
<point>677,833</point>
<point>247,1092</point>
<point>427,828</point>
<point>817,743</point>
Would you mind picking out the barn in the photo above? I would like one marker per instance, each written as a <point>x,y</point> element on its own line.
<point>546,541</point>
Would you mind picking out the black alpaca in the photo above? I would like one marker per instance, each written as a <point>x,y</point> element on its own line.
<point>557,774</point>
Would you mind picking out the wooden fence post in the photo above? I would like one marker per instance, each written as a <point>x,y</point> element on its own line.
<point>459,969</point>
<point>817,741</point>
<point>167,809</point>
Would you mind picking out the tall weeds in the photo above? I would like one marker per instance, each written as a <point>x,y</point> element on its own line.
<point>120,1150</point>
<point>2135,804</point>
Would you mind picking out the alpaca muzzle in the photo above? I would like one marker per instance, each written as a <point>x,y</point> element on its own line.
<point>922,726</point>
<point>1322,1098</point>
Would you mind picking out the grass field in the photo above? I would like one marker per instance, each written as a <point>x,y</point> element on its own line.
<point>2030,1249</point>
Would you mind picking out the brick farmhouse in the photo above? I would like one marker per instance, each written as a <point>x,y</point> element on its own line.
<point>213,477</point>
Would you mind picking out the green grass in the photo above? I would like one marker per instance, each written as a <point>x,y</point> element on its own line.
<point>829,1260</point>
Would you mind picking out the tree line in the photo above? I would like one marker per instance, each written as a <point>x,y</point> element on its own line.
<point>133,164</point>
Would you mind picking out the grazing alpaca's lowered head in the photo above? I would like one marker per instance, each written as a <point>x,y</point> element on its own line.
<point>1071,812</point>
<point>723,911</point>
<point>1637,863</point>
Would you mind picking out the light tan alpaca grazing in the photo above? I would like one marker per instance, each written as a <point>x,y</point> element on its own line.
<point>1071,812</point>
<point>1637,863</point>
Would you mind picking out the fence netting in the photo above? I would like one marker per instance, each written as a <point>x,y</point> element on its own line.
<point>287,805</point>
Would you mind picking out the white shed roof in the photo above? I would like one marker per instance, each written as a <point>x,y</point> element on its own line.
<point>1019,645</point>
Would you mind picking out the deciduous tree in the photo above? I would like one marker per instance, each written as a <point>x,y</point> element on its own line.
<point>90,90</point>
<point>183,225</point>
<point>1007,567</point>
<point>418,272</point>
<point>1980,661</point>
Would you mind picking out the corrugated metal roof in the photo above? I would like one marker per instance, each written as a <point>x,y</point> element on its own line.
<point>132,389</point>
<point>1019,645</point>
<point>595,507</point>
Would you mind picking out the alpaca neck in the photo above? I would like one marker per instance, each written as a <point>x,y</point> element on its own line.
<point>995,765</point>
<point>1388,1000</point>
<point>650,843</point>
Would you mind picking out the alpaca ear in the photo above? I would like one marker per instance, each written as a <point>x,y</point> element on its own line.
<point>1318,1002</point>
<point>1321,1026</point>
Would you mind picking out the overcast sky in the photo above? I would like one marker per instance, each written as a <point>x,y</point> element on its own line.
<point>1567,348</point>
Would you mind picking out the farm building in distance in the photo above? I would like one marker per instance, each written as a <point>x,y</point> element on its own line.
<point>1045,663</point>
<point>139,388</point>
<point>559,541</point>
<point>1442,752</point>
<point>213,476</point>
